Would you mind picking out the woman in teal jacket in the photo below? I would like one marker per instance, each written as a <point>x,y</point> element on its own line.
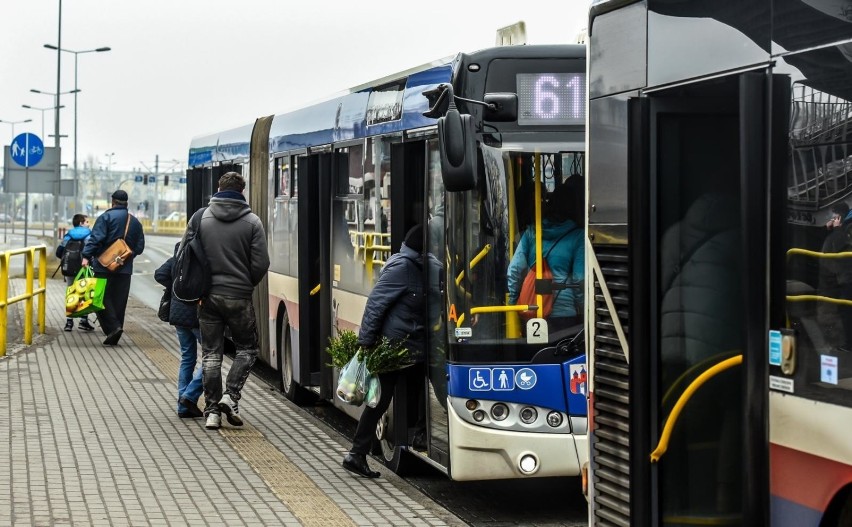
<point>562,244</point>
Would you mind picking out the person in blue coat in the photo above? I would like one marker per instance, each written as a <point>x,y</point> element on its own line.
<point>563,246</point>
<point>79,233</point>
<point>184,317</point>
<point>395,309</point>
<point>109,227</point>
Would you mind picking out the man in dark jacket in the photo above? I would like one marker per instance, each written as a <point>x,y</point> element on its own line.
<point>235,245</point>
<point>184,317</point>
<point>396,308</point>
<point>109,227</point>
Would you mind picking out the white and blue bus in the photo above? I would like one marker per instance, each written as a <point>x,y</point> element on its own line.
<point>339,183</point>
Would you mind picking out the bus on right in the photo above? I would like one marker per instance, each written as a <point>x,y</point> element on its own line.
<point>719,258</point>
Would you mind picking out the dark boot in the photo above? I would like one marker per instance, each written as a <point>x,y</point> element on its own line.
<point>69,324</point>
<point>357,464</point>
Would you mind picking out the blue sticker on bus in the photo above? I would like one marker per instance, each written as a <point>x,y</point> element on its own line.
<point>503,379</point>
<point>525,378</point>
<point>775,347</point>
<point>479,379</point>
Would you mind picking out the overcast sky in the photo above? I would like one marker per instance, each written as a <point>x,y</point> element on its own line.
<point>182,68</point>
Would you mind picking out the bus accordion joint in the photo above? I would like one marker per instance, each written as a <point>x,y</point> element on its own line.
<point>718,368</point>
<point>315,290</point>
<point>501,309</point>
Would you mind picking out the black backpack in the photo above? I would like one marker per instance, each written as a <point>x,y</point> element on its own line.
<point>191,273</point>
<point>72,258</point>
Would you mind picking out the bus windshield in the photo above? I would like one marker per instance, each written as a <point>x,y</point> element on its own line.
<point>527,193</point>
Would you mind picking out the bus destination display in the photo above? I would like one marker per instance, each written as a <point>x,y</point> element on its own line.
<point>551,98</point>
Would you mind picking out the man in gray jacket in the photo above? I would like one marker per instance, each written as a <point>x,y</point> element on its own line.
<point>235,245</point>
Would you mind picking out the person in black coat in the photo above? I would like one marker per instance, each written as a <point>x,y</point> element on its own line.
<point>184,317</point>
<point>395,309</point>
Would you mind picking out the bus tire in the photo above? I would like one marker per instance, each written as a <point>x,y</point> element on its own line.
<point>292,391</point>
<point>390,451</point>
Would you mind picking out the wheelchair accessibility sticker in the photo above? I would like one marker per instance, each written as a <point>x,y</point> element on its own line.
<point>525,378</point>
<point>479,379</point>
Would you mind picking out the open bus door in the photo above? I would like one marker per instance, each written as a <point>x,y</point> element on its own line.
<point>697,224</point>
<point>314,173</point>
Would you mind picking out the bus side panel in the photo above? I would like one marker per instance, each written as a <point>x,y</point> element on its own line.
<point>801,484</point>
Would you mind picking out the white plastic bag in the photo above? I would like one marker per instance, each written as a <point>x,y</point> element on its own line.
<point>352,382</point>
<point>374,390</point>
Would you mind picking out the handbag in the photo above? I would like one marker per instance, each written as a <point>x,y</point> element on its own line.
<point>118,253</point>
<point>165,306</point>
<point>85,295</point>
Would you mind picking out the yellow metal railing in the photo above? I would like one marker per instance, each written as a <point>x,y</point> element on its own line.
<point>370,248</point>
<point>28,296</point>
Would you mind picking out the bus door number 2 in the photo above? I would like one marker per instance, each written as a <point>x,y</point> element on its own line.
<point>537,332</point>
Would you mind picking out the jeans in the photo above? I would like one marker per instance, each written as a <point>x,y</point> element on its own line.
<point>189,385</point>
<point>215,313</point>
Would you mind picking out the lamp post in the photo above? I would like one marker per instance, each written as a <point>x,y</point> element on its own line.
<point>75,92</point>
<point>42,110</point>
<point>13,123</point>
<point>57,174</point>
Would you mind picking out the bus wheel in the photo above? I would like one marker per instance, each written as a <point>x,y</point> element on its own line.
<point>392,455</point>
<point>289,386</point>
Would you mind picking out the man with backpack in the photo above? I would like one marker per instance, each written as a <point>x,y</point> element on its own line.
<point>234,243</point>
<point>70,253</point>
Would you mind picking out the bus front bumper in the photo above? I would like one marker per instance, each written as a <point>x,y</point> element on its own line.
<point>479,453</point>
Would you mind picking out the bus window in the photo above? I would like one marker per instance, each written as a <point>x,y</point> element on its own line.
<point>283,219</point>
<point>348,230</point>
<point>495,248</point>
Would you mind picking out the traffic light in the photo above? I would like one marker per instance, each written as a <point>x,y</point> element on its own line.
<point>166,180</point>
<point>145,180</point>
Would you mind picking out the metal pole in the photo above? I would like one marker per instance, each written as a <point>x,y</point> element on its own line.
<point>57,173</point>
<point>76,174</point>
<point>156,192</point>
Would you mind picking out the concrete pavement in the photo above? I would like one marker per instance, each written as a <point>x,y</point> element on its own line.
<point>90,437</point>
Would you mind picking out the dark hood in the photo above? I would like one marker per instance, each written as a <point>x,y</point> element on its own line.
<point>228,209</point>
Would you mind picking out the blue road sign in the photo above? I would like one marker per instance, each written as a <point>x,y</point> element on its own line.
<point>26,150</point>
<point>183,181</point>
<point>137,179</point>
<point>152,179</point>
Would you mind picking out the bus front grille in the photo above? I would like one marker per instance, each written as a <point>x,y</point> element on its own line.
<point>610,448</point>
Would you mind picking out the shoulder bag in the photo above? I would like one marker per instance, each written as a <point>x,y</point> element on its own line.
<point>118,253</point>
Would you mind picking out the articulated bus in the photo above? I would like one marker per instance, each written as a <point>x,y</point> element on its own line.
<point>718,148</point>
<point>470,147</point>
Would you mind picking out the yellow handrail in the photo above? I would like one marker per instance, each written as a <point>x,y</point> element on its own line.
<point>27,297</point>
<point>315,290</point>
<point>663,445</point>
<point>500,309</point>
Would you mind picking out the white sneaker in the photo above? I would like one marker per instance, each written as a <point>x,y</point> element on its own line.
<point>231,409</point>
<point>214,422</point>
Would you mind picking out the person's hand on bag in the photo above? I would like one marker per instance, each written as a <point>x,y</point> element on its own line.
<point>85,262</point>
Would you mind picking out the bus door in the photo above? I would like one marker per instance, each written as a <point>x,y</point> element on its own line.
<point>202,183</point>
<point>314,174</point>
<point>697,218</point>
<point>401,193</point>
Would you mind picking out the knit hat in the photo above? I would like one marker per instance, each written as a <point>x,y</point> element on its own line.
<point>414,238</point>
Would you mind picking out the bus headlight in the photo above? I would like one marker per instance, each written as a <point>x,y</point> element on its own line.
<point>471,404</point>
<point>478,416</point>
<point>528,415</point>
<point>499,411</point>
<point>554,419</point>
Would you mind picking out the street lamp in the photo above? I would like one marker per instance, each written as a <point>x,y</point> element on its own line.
<point>13,123</point>
<point>42,110</point>
<point>75,92</point>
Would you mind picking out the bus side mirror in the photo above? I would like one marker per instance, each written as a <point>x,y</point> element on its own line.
<point>457,140</point>
<point>501,107</point>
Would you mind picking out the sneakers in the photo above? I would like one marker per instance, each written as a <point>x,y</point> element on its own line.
<point>84,325</point>
<point>230,408</point>
<point>214,422</point>
<point>69,325</point>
